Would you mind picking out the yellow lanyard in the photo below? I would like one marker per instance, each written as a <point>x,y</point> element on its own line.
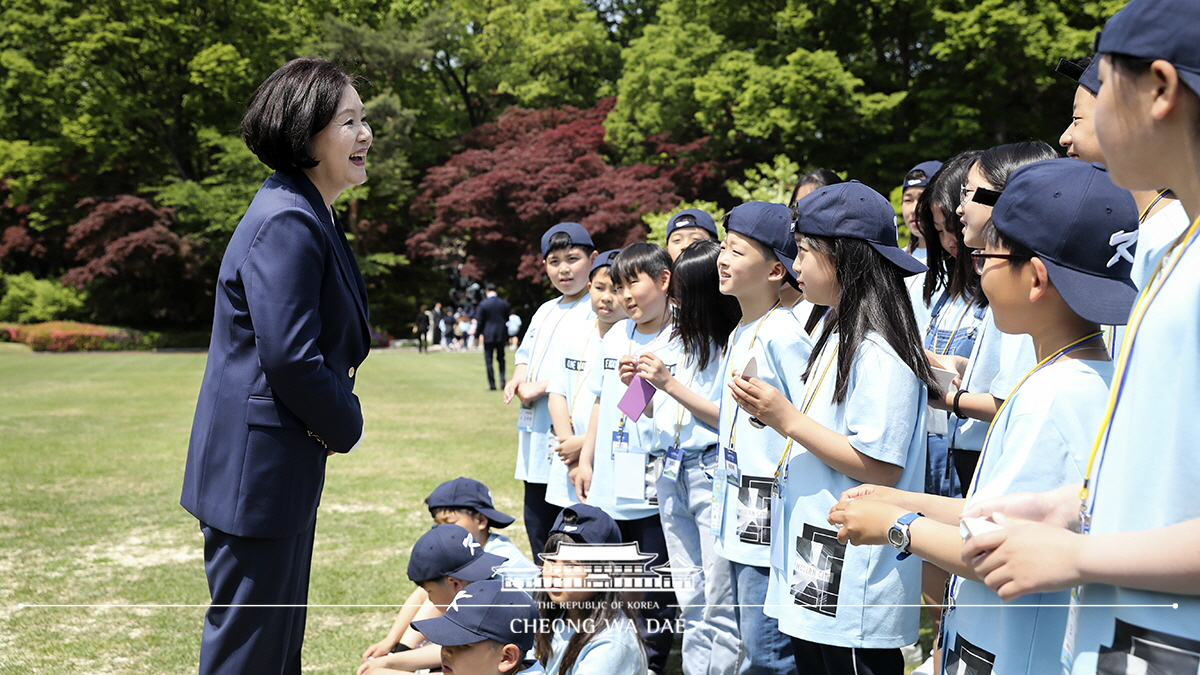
<point>537,362</point>
<point>810,393</point>
<point>584,375</point>
<point>646,350</point>
<point>954,332</point>
<point>1176,253</point>
<point>1161,193</point>
<point>679,414</point>
<point>732,362</point>
<point>1044,362</point>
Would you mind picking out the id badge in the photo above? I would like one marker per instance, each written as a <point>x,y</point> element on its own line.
<point>717,508</point>
<point>778,547</point>
<point>1068,648</point>
<point>733,475</point>
<point>620,442</point>
<point>525,418</point>
<point>551,444</point>
<point>629,475</point>
<point>671,463</point>
<point>937,421</point>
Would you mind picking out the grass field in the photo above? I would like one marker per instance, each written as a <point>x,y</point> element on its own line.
<point>92,449</point>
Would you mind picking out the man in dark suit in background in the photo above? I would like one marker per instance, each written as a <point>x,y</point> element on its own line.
<point>492,314</point>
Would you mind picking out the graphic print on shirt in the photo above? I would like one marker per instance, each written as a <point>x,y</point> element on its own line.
<point>754,510</point>
<point>817,572</point>
<point>968,659</point>
<point>1137,650</point>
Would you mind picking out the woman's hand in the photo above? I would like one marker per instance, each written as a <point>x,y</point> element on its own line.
<point>764,402</point>
<point>864,521</point>
<point>653,370</point>
<point>626,369</point>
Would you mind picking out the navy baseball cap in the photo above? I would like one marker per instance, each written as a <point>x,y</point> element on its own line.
<point>1081,226</point>
<point>484,610</point>
<point>604,260</point>
<point>450,551</point>
<point>579,236</point>
<point>931,167</point>
<point>1085,71</point>
<point>591,525</point>
<point>470,493</point>
<point>855,211</point>
<point>770,225</point>
<point>692,218</point>
<point>1157,29</point>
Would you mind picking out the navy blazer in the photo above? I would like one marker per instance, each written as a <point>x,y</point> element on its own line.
<point>289,332</point>
<point>492,315</point>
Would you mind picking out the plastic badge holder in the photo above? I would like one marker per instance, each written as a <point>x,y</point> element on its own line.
<point>970,527</point>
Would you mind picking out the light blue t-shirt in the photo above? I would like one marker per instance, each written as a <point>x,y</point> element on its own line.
<point>835,594</point>
<point>553,323</point>
<point>576,359</point>
<point>615,650</point>
<point>694,435</point>
<point>998,361</point>
<point>1144,478</point>
<point>1155,236</point>
<point>516,559</point>
<point>741,515</point>
<point>1039,441</point>
<point>916,293</point>
<point>616,469</point>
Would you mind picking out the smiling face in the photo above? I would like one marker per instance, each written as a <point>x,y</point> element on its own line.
<point>645,298</point>
<point>605,302</point>
<point>743,266</point>
<point>341,148</point>
<point>816,274</point>
<point>568,271</point>
<point>683,237</point>
<point>973,214</point>
<point>1080,137</point>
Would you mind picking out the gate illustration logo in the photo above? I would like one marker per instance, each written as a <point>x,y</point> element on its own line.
<point>969,659</point>
<point>817,572</point>
<point>621,567</point>
<point>754,510</point>
<point>1141,650</point>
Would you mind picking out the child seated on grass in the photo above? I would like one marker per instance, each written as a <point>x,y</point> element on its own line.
<point>444,560</point>
<point>487,630</point>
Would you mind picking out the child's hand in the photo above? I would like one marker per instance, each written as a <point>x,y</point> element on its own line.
<point>581,476</point>
<point>627,368</point>
<point>864,521</point>
<point>1058,508</point>
<point>1024,557</point>
<point>949,362</point>
<point>529,392</point>
<point>381,648</point>
<point>568,449</point>
<point>510,390</point>
<point>764,402</point>
<point>653,370</point>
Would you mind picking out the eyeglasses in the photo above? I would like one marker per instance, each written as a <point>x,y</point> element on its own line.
<point>979,195</point>
<point>978,257</point>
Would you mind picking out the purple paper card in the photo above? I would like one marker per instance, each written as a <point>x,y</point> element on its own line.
<point>634,402</point>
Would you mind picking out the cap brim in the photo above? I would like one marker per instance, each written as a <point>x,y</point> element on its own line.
<point>900,258</point>
<point>789,264</point>
<point>495,518</point>
<point>479,569</point>
<point>1103,300</point>
<point>1191,79</point>
<point>443,631</point>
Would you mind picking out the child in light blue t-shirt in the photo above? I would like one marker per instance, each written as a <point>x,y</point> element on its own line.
<point>859,415</point>
<point>1040,438</point>
<point>568,252</point>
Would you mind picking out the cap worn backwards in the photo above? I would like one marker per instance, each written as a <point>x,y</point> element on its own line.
<point>855,211</point>
<point>692,218</point>
<point>1081,226</point>
<point>579,236</point>
<point>469,493</point>
<point>929,168</point>
<point>450,551</point>
<point>1086,72</point>
<point>591,525</point>
<point>604,259</point>
<point>1157,29</point>
<point>484,610</point>
<point>769,224</point>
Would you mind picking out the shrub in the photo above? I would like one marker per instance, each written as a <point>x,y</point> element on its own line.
<point>30,300</point>
<point>8,332</point>
<point>69,336</point>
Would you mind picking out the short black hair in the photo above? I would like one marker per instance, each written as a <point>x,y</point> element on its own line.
<point>651,259</point>
<point>289,108</point>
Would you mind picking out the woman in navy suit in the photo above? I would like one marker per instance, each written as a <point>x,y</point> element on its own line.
<point>289,332</point>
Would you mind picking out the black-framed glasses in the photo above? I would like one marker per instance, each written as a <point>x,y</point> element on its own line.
<point>979,195</point>
<point>978,257</point>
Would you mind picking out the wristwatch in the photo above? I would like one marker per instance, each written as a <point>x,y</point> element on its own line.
<point>898,534</point>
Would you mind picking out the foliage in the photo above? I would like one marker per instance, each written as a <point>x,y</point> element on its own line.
<point>521,175</point>
<point>767,182</point>
<point>69,336</point>
<point>25,299</point>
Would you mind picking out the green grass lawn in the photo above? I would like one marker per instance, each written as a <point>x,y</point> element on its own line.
<point>92,449</point>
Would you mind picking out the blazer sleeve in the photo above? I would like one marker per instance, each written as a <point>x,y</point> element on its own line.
<point>286,274</point>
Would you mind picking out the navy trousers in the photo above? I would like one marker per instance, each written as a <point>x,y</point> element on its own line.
<point>270,574</point>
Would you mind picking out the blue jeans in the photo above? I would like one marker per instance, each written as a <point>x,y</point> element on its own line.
<point>705,596</point>
<point>768,650</point>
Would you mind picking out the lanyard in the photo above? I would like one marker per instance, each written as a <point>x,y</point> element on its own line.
<point>733,361</point>
<point>810,393</point>
<point>680,412</point>
<point>584,375</point>
<point>950,339</point>
<point>1161,274</point>
<point>1045,362</point>
<point>1161,194</point>
<point>645,350</point>
<point>537,361</point>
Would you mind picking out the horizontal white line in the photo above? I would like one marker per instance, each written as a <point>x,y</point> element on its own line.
<point>393,606</point>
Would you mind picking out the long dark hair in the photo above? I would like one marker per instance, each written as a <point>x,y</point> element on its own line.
<point>704,317</point>
<point>873,298</point>
<point>955,274</point>
<point>605,609</point>
<point>996,164</point>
